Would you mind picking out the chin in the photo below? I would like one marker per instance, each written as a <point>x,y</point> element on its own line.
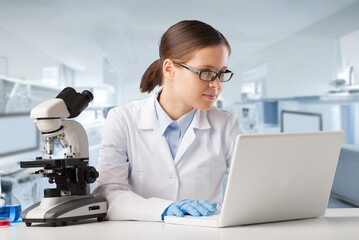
<point>205,106</point>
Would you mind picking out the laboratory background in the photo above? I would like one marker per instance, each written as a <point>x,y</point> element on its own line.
<point>296,65</point>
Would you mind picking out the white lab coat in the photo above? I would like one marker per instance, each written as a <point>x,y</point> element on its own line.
<point>138,175</point>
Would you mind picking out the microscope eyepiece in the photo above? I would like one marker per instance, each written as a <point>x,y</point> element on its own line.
<point>88,94</point>
<point>75,102</point>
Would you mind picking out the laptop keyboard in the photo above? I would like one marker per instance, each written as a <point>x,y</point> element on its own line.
<point>210,217</point>
<point>207,221</point>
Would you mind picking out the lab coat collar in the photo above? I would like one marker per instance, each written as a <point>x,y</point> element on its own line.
<point>148,118</point>
<point>200,120</point>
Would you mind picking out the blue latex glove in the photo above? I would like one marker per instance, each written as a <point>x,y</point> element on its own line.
<point>190,207</point>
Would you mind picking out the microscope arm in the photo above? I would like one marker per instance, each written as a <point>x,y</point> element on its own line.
<point>77,139</point>
<point>52,108</point>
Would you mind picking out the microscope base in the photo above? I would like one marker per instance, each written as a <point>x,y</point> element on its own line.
<point>60,210</point>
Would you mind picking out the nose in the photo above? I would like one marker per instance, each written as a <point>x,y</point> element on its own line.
<point>215,83</point>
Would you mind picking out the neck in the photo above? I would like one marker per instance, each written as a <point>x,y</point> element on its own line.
<point>174,108</point>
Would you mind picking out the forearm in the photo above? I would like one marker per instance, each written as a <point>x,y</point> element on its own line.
<point>127,205</point>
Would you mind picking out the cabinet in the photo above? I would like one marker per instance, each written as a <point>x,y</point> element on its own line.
<point>21,95</point>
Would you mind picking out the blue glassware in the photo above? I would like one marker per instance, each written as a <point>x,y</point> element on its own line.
<point>10,207</point>
<point>12,212</point>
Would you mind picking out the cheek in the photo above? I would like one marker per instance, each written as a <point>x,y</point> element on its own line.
<point>188,90</point>
<point>186,84</point>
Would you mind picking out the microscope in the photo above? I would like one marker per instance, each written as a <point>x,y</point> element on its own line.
<point>71,199</point>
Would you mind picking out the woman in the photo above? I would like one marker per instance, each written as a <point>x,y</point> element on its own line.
<point>167,154</point>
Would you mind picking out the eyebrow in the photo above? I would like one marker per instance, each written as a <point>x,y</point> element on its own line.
<point>212,67</point>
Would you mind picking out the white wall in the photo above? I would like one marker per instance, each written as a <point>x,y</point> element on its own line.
<point>304,64</point>
<point>301,66</point>
<point>23,60</point>
<point>349,45</point>
<point>298,66</point>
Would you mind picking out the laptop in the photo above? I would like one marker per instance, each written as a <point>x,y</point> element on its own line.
<point>276,177</point>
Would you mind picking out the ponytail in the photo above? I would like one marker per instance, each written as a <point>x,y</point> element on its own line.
<point>152,77</point>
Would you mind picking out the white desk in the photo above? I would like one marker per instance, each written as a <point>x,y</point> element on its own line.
<point>340,224</point>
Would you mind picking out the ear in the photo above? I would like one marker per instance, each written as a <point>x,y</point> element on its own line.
<point>168,68</point>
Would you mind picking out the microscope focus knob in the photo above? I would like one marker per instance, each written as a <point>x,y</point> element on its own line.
<point>52,192</point>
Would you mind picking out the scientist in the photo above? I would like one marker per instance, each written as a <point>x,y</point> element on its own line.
<point>167,154</point>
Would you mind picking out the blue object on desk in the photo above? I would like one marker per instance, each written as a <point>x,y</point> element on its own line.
<point>11,212</point>
<point>10,207</point>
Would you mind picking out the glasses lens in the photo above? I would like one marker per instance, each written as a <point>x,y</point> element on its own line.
<point>226,76</point>
<point>208,75</point>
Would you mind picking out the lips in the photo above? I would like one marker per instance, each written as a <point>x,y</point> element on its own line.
<point>210,96</point>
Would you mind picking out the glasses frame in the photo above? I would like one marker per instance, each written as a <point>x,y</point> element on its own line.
<point>199,73</point>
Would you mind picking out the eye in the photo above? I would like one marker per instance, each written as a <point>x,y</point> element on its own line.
<point>208,75</point>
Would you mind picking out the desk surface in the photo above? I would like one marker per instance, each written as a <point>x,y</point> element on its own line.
<point>336,224</point>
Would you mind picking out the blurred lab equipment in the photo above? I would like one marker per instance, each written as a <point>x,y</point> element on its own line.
<point>10,208</point>
<point>299,121</point>
<point>71,199</point>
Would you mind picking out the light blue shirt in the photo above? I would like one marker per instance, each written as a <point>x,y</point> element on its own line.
<point>173,130</point>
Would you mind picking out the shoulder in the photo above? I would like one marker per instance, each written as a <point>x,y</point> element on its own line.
<point>140,113</point>
<point>224,120</point>
<point>222,115</point>
<point>131,108</point>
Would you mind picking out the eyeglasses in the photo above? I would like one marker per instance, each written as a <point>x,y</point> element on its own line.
<point>208,75</point>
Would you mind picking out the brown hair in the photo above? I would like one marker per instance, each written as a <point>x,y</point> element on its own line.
<point>178,43</point>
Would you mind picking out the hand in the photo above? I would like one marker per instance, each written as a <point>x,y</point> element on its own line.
<point>190,207</point>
